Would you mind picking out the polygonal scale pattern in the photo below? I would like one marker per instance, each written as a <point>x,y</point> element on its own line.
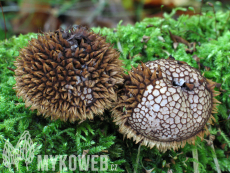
<point>68,74</point>
<point>164,103</point>
<point>177,72</point>
<point>165,114</point>
<point>169,110</point>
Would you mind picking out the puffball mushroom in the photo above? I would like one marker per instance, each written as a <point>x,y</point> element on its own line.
<point>68,74</point>
<point>165,103</point>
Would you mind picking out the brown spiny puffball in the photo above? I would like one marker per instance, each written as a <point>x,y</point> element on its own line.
<point>68,74</point>
<point>165,103</point>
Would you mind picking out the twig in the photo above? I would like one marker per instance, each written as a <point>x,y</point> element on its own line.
<point>200,10</point>
<point>162,20</point>
<point>226,20</point>
<point>10,69</point>
<point>71,12</point>
<point>3,19</point>
<point>139,10</point>
<point>211,5</point>
<point>96,12</point>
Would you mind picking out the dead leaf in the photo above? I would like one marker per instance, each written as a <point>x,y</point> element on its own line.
<point>10,69</point>
<point>31,17</point>
<point>195,57</point>
<point>52,22</point>
<point>148,26</point>
<point>168,54</point>
<point>173,161</point>
<point>81,122</point>
<point>218,85</point>
<point>223,146</point>
<point>222,90</point>
<point>191,47</point>
<point>171,57</point>
<point>149,171</point>
<point>139,54</point>
<point>212,137</point>
<point>170,171</point>
<point>84,153</point>
<point>105,151</point>
<point>148,160</point>
<point>175,45</point>
<point>161,38</point>
<point>207,68</point>
<point>145,39</point>
<point>167,165</point>
<point>177,39</point>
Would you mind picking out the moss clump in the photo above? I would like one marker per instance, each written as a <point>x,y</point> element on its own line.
<point>101,137</point>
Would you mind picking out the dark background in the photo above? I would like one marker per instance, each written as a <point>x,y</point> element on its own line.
<point>23,16</point>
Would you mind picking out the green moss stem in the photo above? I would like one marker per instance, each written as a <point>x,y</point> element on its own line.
<point>137,160</point>
<point>214,154</point>
<point>195,156</point>
<point>215,160</point>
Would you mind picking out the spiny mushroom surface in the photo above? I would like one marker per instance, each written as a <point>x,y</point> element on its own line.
<point>165,103</point>
<point>68,74</point>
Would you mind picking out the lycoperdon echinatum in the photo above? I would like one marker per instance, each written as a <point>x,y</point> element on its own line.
<point>165,103</point>
<point>68,74</point>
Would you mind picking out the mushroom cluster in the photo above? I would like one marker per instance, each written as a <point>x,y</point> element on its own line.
<point>68,74</point>
<point>165,103</point>
<point>74,74</point>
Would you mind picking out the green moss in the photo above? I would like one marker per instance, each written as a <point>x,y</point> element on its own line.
<point>101,137</point>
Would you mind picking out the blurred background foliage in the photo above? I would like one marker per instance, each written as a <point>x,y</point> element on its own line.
<point>24,16</point>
